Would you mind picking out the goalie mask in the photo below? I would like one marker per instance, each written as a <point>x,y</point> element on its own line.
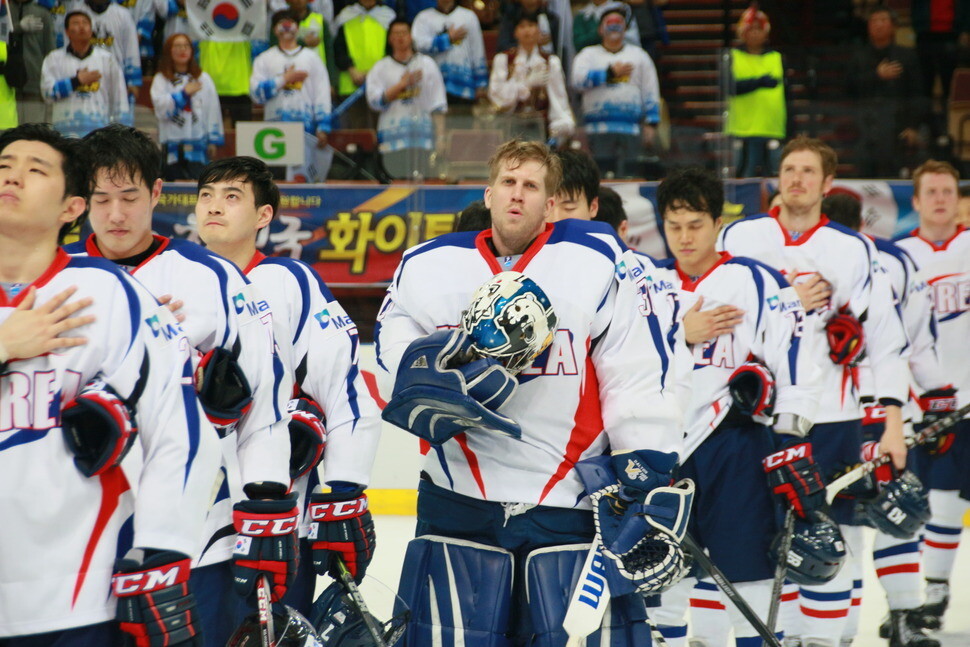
<point>510,319</point>
<point>341,623</point>
<point>289,627</point>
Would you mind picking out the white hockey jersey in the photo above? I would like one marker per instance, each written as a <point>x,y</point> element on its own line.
<point>463,63</point>
<point>307,101</point>
<point>79,110</point>
<point>114,29</point>
<point>603,384</point>
<point>616,105</point>
<point>772,331</point>
<point>144,13</point>
<point>945,266</point>
<point>192,122</point>
<point>505,91</point>
<point>221,309</point>
<point>62,531</point>
<point>406,122</point>
<point>847,260</point>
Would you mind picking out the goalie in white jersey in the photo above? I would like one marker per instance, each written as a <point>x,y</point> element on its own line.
<point>502,499</point>
<point>319,346</point>
<point>240,379</point>
<point>127,388</point>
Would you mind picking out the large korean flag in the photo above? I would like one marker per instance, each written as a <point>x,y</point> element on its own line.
<point>227,20</point>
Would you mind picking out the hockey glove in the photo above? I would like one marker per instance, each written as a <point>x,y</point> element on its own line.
<point>847,341</point>
<point>341,525</point>
<point>267,543</point>
<point>794,476</point>
<point>440,392</point>
<point>223,389</point>
<point>308,436</point>
<point>937,404</point>
<point>752,388</point>
<point>99,428</point>
<point>155,605</point>
<point>901,508</point>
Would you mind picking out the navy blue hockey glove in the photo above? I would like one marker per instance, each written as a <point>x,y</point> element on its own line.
<point>341,526</point>
<point>442,391</point>
<point>308,436</point>
<point>752,388</point>
<point>99,428</point>
<point>224,391</point>
<point>794,476</point>
<point>267,542</point>
<point>937,404</point>
<point>155,606</point>
<point>640,519</point>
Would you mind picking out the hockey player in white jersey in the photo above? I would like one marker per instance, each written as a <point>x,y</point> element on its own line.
<point>319,346</point>
<point>452,36</point>
<point>32,331</point>
<point>501,498</point>
<point>753,399</point>
<point>241,382</point>
<point>70,418</point>
<point>83,82</point>
<point>847,303</point>
<point>291,81</point>
<point>941,249</point>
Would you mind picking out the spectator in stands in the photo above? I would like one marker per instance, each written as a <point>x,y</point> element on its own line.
<point>548,26</point>
<point>315,33</point>
<point>361,37</point>
<point>230,64</point>
<point>34,26</point>
<point>475,217</point>
<point>941,28</point>
<point>84,82</point>
<point>292,83</point>
<point>757,114</point>
<point>406,88</point>
<point>963,207</point>
<point>620,98</point>
<point>8,98</point>
<point>648,15</point>
<point>452,36</point>
<point>176,19</point>
<point>113,28</point>
<point>578,194</point>
<point>188,111</point>
<point>586,23</point>
<point>891,109</point>
<point>527,82</point>
<point>323,7</point>
<point>611,212</point>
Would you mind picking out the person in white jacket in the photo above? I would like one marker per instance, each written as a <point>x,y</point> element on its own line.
<point>188,111</point>
<point>527,82</point>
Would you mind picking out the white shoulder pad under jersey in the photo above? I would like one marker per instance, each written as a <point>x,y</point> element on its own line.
<point>62,531</point>
<point>604,383</point>
<point>846,260</point>
<point>945,267</point>
<point>773,331</point>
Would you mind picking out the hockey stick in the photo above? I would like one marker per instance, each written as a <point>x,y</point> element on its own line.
<point>265,612</point>
<point>357,600</point>
<point>780,569</point>
<point>927,434</point>
<point>590,597</point>
<point>732,593</point>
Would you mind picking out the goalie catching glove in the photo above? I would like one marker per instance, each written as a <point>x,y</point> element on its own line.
<point>341,526</point>
<point>441,392</point>
<point>640,519</point>
<point>155,606</point>
<point>99,428</point>
<point>267,543</point>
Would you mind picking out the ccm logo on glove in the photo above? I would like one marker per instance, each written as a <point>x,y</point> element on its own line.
<point>272,526</point>
<point>786,456</point>
<point>334,510</point>
<point>151,580</point>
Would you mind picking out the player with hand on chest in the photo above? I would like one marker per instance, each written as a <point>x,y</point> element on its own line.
<point>319,346</point>
<point>241,383</point>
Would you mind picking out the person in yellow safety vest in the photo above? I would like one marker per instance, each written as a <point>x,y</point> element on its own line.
<point>360,42</point>
<point>757,114</point>
<point>315,34</point>
<point>8,100</point>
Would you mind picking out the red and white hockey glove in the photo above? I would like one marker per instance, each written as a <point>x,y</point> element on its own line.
<point>873,413</point>
<point>308,436</point>
<point>794,476</point>
<point>99,428</point>
<point>155,606</point>
<point>937,404</point>
<point>884,473</point>
<point>267,543</point>
<point>847,340</point>
<point>341,525</point>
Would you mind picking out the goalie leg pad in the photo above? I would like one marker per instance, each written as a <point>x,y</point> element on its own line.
<point>459,593</point>
<point>435,400</point>
<point>550,575</point>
